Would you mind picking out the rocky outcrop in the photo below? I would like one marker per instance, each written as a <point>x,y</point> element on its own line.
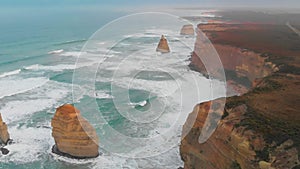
<point>187,30</point>
<point>242,66</point>
<point>224,147</point>
<point>238,63</point>
<point>74,136</point>
<point>231,145</point>
<point>259,129</point>
<point>4,135</point>
<point>4,151</point>
<point>163,46</point>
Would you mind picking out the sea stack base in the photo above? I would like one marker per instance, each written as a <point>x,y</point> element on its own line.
<point>55,150</point>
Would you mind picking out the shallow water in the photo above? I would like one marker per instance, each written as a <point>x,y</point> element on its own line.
<point>37,58</point>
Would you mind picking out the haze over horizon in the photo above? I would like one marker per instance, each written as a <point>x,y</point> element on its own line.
<point>154,3</point>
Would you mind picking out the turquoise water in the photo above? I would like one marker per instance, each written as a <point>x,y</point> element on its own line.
<point>27,35</point>
<point>131,86</point>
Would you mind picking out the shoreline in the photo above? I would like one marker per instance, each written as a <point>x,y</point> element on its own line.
<point>253,131</point>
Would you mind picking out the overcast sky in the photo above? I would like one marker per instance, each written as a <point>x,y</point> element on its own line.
<point>183,3</point>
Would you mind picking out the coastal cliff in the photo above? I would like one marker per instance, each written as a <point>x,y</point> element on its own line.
<point>74,136</point>
<point>260,128</point>
<point>243,68</point>
<point>243,139</point>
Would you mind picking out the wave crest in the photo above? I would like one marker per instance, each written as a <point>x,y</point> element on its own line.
<point>56,52</point>
<point>14,72</point>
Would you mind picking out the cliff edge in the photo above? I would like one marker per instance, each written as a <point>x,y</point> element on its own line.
<point>260,128</point>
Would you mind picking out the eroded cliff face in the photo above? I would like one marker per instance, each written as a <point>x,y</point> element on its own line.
<point>74,136</point>
<point>225,147</point>
<point>259,129</point>
<point>232,146</point>
<point>243,68</point>
<point>243,62</point>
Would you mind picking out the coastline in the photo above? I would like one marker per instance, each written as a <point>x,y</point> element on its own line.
<point>253,131</point>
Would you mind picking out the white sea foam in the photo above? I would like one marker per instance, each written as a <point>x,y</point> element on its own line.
<point>16,110</point>
<point>102,161</point>
<point>159,32</point>
<point>12,87</point>
<point>180,93</point>
<point>33,144</point>
<point>74,54</point>
<point>102,95</point>
<point>141,103</point>
<point>149,34</point>
<point>101,43</point>
<point>14,72</point>
<point>56,68</point>
<point>54,93</point>
<point>193,13</point>
<point>152,33</point>
<point>56,51</point>
<point>45,97</point>
<point>32,67</point>
<point>29,145</point>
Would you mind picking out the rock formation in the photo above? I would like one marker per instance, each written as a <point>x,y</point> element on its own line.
<point>187,30</point>
<point>163,46</point>
<point>232,145</point>
<point>259,129</point>
<point>4,151</point>
<point>4,135</point>
<point>74,136</point>
<point>240,65</point>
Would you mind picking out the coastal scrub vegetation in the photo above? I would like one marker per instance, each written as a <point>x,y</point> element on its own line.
<point>269,85</point>
<point>235,165</point>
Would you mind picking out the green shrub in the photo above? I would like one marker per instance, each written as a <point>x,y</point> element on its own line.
<point>235,165</point>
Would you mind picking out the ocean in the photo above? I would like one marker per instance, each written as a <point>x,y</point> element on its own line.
<point>137,99</point>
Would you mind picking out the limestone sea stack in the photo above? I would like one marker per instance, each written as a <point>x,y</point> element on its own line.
<point>187,30</point>
<point>74,136</point>
<point>163,46</point>
<point>4,135</point>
